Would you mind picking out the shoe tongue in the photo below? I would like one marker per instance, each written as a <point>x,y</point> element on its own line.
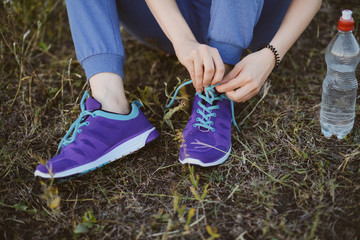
<point>91,104</point>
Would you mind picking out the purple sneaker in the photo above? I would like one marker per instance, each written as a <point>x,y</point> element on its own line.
<point>97,138</point>
<point>207,135</point>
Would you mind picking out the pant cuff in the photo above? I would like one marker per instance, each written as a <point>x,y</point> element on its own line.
<point>105,62</point>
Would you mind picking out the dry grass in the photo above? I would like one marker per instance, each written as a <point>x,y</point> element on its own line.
<point>284,180</point>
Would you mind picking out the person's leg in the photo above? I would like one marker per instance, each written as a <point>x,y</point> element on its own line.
<point>100,135</point>
<point>207,136</point>
<point>96,35</point>
<point>233,26</point>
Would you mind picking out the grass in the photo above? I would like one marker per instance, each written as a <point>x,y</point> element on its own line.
<point>284,180</point>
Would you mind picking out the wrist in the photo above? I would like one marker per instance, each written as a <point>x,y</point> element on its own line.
<point>183,40</point>
<point>268,59</point>
<point>270,50</point>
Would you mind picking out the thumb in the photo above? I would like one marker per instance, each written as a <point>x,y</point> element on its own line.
<point>229,86</point>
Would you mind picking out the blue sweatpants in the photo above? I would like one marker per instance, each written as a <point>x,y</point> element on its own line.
<point>228,27</point>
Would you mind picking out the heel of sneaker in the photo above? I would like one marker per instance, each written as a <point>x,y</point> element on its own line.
<point>153,135</point>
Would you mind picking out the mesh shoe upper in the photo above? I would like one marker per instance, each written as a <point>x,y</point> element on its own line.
<point>207,144</point>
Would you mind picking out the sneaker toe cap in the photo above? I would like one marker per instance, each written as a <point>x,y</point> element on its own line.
<point>206,155</point>
<point>55,166</point>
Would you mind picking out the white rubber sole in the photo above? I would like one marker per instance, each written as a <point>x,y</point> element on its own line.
<point>200,163</point>
<point>124,149</point>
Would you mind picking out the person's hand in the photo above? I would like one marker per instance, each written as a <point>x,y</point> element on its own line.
<point>247,77</point>
<point>203,63</point>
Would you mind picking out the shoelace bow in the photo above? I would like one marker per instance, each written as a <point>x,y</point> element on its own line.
<point>209,96</point>
<point>74,129</point>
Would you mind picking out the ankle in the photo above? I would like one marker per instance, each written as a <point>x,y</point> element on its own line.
<point>108,89</point>
<point>113,103</point>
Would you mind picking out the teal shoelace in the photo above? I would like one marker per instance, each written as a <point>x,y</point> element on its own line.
<point>74,129</point>
<point>206,112</point>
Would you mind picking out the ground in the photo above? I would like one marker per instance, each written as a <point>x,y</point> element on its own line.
<point>283,180</point>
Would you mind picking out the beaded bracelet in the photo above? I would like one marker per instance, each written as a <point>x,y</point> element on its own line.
<point>276,54</point>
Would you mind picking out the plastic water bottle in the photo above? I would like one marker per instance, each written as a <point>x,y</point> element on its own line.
<point>339,88</point>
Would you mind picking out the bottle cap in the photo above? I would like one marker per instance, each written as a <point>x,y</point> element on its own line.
<point>346,22</point>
